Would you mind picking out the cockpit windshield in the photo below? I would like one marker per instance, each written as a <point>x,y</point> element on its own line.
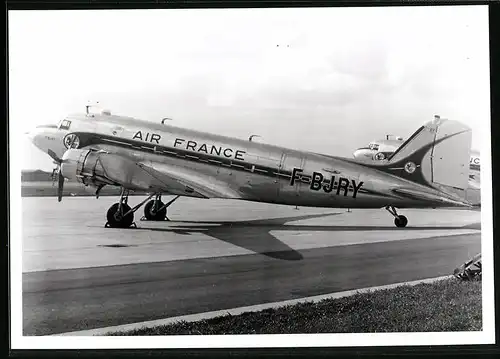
<point>373,146</point>
<point>64,125</point>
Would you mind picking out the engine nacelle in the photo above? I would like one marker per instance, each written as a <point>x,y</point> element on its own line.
<point>83,166</point>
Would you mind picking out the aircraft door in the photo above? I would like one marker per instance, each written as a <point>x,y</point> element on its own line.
<point>286,190</point>
<point>281,172</point>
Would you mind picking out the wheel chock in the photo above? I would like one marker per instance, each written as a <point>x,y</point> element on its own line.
<point>133,225</point>
<point>470,270</point>
<point>143,218</point>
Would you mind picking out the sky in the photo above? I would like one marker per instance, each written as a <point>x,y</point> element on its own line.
<point>326,80</point>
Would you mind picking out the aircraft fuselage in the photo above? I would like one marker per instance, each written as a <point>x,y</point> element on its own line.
<point>249,170</point>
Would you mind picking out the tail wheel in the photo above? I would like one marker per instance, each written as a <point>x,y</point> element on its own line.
<point>152,213</point>
<point>400,221</point>
<point>116,219</point>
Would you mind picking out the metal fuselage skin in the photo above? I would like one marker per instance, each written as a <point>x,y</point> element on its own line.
<point>249,170</point>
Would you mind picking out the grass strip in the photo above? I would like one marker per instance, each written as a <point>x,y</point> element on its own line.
<point>446,305</point>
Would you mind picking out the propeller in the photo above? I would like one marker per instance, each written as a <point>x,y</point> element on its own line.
<point>58,161</point>
<point>60,179</point>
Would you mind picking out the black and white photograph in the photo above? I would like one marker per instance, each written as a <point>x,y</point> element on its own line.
<point>250,177</point>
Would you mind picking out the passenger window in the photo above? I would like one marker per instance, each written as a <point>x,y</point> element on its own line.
<point>65,125</point>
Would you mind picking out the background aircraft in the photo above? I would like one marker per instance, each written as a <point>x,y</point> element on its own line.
<point>382,149</point>
<point>99,149</point>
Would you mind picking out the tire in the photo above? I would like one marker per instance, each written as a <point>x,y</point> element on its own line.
<point>154,216</point>
<point>123,222</point>
<point>401,221</point>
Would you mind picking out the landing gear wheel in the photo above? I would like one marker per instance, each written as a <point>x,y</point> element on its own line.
<point>116,219</point>
<point>400,221</point>
<point>151,211</point>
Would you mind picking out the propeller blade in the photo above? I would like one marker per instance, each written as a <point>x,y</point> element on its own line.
<point>54,156</point>
<point>53,176</point>
<point>60,186</point>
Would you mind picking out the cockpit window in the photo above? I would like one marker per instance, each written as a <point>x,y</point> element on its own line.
<point>373,146</point>
<point>65,125</point>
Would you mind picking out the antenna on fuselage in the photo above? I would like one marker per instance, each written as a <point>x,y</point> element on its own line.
<point>252,136</point>
<point>89,105</point>
<point>398,138</point>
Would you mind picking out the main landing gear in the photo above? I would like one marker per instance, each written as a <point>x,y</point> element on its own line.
<point>399,220</point>
<point>121,215</point>
<point>156,210</point>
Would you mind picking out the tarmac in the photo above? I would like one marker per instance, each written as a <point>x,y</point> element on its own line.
<point>219,254</point>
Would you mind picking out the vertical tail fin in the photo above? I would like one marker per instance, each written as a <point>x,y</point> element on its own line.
<point>437,155</point>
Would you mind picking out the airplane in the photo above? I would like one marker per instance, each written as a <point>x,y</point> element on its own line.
<point>383,148</point>
<point>379,149</point>
<point>429,170</point>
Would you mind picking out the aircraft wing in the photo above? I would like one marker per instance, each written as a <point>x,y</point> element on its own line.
<point>156,177</point>
<point>172,184</point>
<point>183,181</point>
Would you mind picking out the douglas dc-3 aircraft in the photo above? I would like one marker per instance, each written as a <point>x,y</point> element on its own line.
<point>428,170</point>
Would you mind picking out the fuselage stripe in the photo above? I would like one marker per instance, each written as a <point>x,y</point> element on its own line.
<point>114,141</point>
<point>93,139</point>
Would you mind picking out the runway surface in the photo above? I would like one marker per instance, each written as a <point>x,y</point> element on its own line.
<point>219,254</point>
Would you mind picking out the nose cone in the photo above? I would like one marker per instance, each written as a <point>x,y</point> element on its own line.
<point>46,138</point>
<point>29,135</point>
<point>34,136</point>
<point>363,153</point>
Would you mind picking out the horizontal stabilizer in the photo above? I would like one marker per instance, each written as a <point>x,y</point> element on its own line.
<point>426,196</point>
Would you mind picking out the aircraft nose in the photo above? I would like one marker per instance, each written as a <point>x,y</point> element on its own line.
<point>35,136</point>
<point>31,135</point>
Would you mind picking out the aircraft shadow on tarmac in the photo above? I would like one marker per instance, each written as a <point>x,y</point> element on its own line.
<point>255,235</point>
